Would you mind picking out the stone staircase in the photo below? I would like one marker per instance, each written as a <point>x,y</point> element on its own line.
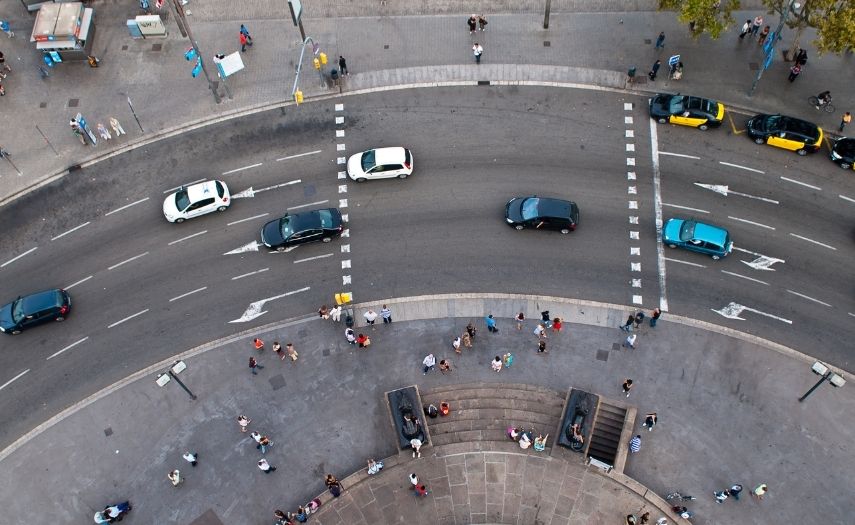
<point>481,414</point>
<point>613,423</point>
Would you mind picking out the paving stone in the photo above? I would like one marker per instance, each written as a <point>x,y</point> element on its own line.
<point>372,512</point>
<point>460,494</point>
<point>528,514</point>
<point>564,506</point>
<point>462,514</point>
<point>444,506</point>
<point>478,518</point>
<point>439,487</point>
<point>495,472</point>
<point>495,493</point>
<point>513,483</point>
<point>478,502</point>
<point>456,474</point>
<point>511,507</point>
<point>384,494</point>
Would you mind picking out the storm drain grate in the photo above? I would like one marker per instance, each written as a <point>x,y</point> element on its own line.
<point>73,102</point>
<point>277,381</point>
<point>602,355</point>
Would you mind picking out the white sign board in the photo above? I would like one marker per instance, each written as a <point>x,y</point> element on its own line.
<point>229,65</point>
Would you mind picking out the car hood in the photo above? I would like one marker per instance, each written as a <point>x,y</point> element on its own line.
<point>672,229</point>
<point>513,210</point>
<point>169,208</point>
<point>6,316</point>
<point>845,148</point>
<point>661,103</point>
<point>354,165</point>
<point>759,123</point>
<point>271,235</point>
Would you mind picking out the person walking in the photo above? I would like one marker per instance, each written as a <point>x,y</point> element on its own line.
<point>760,491</point>
<point>265,467</point>
<point>75,128</point>
<point>630,341</point>
<point>795,71</point>
<point>444,366</point>
<point>746,28</point>
<point>755,26</point>
<point>477,50</point>
<point>370,317</point>
<point>414,481</point>
<point>363,341</point>
<point>540,331</point>
<point>456,345</point>
<point>473,23</point>
<point>639,319</point>
<point>482,22</point>
<point>245,32</point>
<point>335,313</point>
<point>627,326</point>
<point>763,35</point>
<point>350,335</point>
<point>541,347</point>
<point>102,130</point>
<point>243,42</point>
<point>721,496</point>
<point>263,444</point>
<point>191,458</point>
<point>342,67</point>
<point>323,312</point>
<point>117,127</point>
<point>244,422</point>
<point>256,436</point>
<point>491,325</point>
<point>291,352</point>
<point>650,421</point>
<point>471,330</point>
<point>660,41</point>
<point>331,481</point>
<point>386,314</point>
<point>520,320</point>
<point>277,349</point>
<point>846,119</point>
<point>556,325</point>
<point>467,341</point>
<point>654,70</point>
<point>254,366</point>
<point>654,317</point>
<point>734,491</point>
<point>496,364</point>
<point>258,344</point>
<point>175,478</point>
<point>627,386</point>
<point>635,444</point>
<point>416,444</point>
<point>4,26</point>
<point>429,363</point>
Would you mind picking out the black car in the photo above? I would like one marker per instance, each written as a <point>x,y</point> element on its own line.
<point>843,153</point>
<point>782,131</point>
<point>697,112</point>
<point>37,308</point>
<point>542,213</point>
<point>299,228</point>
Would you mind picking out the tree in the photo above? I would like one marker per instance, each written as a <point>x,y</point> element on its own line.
<point>834,21</point>
<point>704,16</point>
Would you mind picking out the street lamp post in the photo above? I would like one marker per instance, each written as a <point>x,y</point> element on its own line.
<point>172,373</point>
<point>826,374</point>
<point>791,7</point>
<point>179,13</point>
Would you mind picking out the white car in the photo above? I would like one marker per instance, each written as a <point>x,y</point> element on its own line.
<point>380,163</point>
<point>197,199</point>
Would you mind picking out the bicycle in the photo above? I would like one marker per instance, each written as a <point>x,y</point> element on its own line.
<point>679,497</point>
<point>815,102</point>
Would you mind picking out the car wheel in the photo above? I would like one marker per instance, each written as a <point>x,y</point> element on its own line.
<point>703,127</point>
<point>519,227</point>
<point>179,220</point>
<point>715,257</point>
<point>845,165</point>
<point>60,319</point>
<point>662,120</point>
<point>402,176</point>
<point>222,208</point>
<point>759,140</point>
<point>361,179</point>
<point>16,332</point>
<point>280,248</point>
<point>326,239</point>
<point>565,231</point>
<point>802,152</point>
<point>672,245</point>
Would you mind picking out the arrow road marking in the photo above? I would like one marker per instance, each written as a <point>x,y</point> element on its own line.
<point>244,194</point>
<point>254,309</point>
<point>732,311</point>
<point>723,189</point>
<point>251,247</point>
<point>763,263</point>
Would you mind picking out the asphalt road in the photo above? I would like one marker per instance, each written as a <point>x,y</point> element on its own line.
<point>158,288</point>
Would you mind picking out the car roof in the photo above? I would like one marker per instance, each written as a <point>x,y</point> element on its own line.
<point>41,300</point>
<point>202,190</point>
<point>845,146</point>
<point>559,208</point>
<point>709,233</point>
<point>395,155</point>
<point>799,126</point>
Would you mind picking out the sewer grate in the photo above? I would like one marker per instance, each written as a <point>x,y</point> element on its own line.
<point>602,355</point>
<point>108,431</point>
<point>277,381</point>
<point>547,43</point>
<point>158,47</point>
<point>42,105</point>
<point>73,102</point>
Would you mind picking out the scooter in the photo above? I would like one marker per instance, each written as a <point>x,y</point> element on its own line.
<point>113,513</point>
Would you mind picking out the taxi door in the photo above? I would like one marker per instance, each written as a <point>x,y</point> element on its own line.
<point>786,141</point>
<point>687,119</point>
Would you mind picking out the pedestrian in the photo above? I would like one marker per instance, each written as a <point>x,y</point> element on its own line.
<point>630,341</point>
<point>482,22</point>
<point>541,347</point>
<point>763,35</point>
<point>660,40</point>
<point>3,94</point>
<point>265,467</point>
<point>654,317</point>
<point>175,477</point>
<point>323,312</point>
<point>4,26</point>
<point>244,422</point>
<point>630,520</point>
<point>520,320</point>
<point>281,517</point>
<point>746,28</point>
<point>93,60</point>
<point>254,366</point>
<point>795,71</point>
<point>117,127</point>
<point>491,325</point>
<point>277,348</point>
<point>363,341</point>
<point>263,444</point>
<point>635,444</point>
<point>386,314</point>
<point>801,57</point>
<point>75,126</point>
<point>291,351</point>
<point>846,119</point>
<point>102,130</point>
<point>421,490</point>
<point>333,485</point>
<point>540,331</point>
<point>508,359</point>
<point>556,325</point>
<point>473,23</point>
<point>444,366</point>
<point>755,27</point>
<point>245,32</point>
<point>471,330</point>
<point>257,438</point>
<point>639,319</point>
<point>191,458</point>
<point>720,496</point>
<point>374,467</point>
<point>760,491</point>
<point>627,386</point>
<point>370,317</point>
<point>735,490</point>
<point>467,341</point>
<point>416,444</point>
<point>342,65</point>
<point>258,344</point>
<point>6,68</point>
<point>496,364</point>
<point>429,363</point>
<point>650,421</point>
<point>350,335</point>
<point>477,50</point>
<point>645,518</point>
<point>456,345</point>
<point>627,327</point>
<point>335,313</point>
<point>654,70</point>
<point>414,480</point>
<point>243,42</point>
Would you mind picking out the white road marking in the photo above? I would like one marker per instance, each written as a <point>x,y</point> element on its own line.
<point>763,262</point>
<point>247,219</point>
<point>677,154</point>
<point>235,278</point>
<point>844,197</point>
<point>254,309</point>
<point>250,247</point>
<point>684,207</point>
<point>732,311</point>
<point>345,264</point>
<point>744,277</point>
<point>657,210</point>
<point>71,230</point>
<point>244,194</point>
<point>170,190</point>
<point>203,232</point>
<point>346,280</point>
<point>339,107</point>
<point>746,168</point>
<point>813,241</point>
<point>182,296</point>
<point>850,313</point>
<point>746,221</point>
<point>298,181</point>
<point>306,205</point>
<point>81,281</point>
<point>9,382</point>
<point>685,262</point>
<point>10,261</point>
<point>243,168</point>
<point>128,260</point>
<point>630,175</point>
<point>803,296</point>
<point>340,147</point>
<point>313,258</point>
<point>69,347</point>
<point>723,189</point>
<point>128,318</point>
<point>802,183</point>
<point>299,155</point>
<point>126,206</point>
<point>630,161</point>
<point>636,299</point>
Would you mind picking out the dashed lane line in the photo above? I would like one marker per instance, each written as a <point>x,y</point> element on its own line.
<point>135,257</point>
<point>684,262</point>
<point>844,197</point>
<point>800,183</point>
<point>10,261</point>
<point>242,169</point>
<point>745,277</point>
<point>182,296</point>
<point>81,281</point>
<point>247,219</point>
<point>236,277</point>
<point>307,205</point>
<point>684,208</point>
<point>673,154</point>
<point>746,221</point>
<point>61,235</point>
<point>125,207</point>
<point>69,347</point>
<point>170,190</point>
<point>128,318</point>
<point>657,208</point>
<point>746,168</point>
<point>307,259</point>
<point>289,157</point>
<point>813,241</point>
<point>203,232</point>
<point>9,382</point>
<point>803,296</point>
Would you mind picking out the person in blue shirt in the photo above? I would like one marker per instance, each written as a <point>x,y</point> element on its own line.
<point>491,323</point>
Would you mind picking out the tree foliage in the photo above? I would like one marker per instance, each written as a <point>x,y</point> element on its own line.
<point>834,21</point>
<point>712,17</point>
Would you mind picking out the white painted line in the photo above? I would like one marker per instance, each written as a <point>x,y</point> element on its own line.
<point>128,318</point>
<point>684,207</point>
<point>746,221</point>
<point>346,280</point>
<point>340,147</point>
<point>630,175</point>
<point>128,260</point>
<point>126,206</point>
<point>342,188</point>
<point>307,205</point>
<point>630,134</point>
<point>71,230</point>
<point>313,258</point>
<point>235,278</point>
<point>743,250</point>
<point>685,262</point>
<point>809,298</point>
<point>657,210</point>
<point>678,155</point>
<point>636,299</point>
<point>81,281</point>
<point>9,382</point>
<point>170,190</point>
<point>339,120</point>
<point>338,107</point>
<point>844,197</point>
<point>635,266</point>
<point>627,106</point>
<point>630,147</point>
<point>636,283</point>
<point>243,168</point>
<point>254,309</point>
<point>345,264</point>
<point>800,183</point>
<point>744,277</point>
<point>630,161</point>
<point>203,232</point>
<point>289,157</point>
<point>627,120</point>
<point>247,219</point>
<point>289,183</point>
<point>182,296</point>
<point>339,133</point>
<point>69,347</point>
<point>850,313</point>
<point>10,261</point>
<point>813,241</point>
<point>746,168</point>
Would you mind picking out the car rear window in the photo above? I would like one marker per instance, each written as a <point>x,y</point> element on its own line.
<point>326,218</point>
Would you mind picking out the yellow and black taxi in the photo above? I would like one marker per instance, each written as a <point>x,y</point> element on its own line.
<point>697,112</point>
<point>782,131</point>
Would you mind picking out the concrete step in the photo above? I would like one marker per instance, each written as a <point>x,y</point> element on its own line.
<point>489,418</point>
<point>511,386</point>
<point>527,405</point>
<point>506,446</point>
<point>548,398</point>
<point>607,431</point>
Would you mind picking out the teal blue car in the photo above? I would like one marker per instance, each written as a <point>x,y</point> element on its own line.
<point>697,237</point>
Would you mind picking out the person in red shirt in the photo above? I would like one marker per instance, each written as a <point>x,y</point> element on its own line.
<point>556,324</point>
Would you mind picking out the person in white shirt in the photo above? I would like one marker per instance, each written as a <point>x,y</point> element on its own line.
<point>370,317</point>
<point>429,362</point>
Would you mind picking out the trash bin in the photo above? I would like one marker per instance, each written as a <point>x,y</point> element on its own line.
<point>334,74</point>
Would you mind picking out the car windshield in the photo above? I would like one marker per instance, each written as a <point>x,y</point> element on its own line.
<point>182,200</point>
<point>529,209</point>
<point>687,231</point>
<point>773,122</point>
<point>326,219</point>
<point>285,226</point>
<point>368,160</point>
<point>17,310</point>
<point>676,105</point>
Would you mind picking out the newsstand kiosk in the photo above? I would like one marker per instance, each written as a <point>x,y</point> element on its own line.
<point>64,31</point>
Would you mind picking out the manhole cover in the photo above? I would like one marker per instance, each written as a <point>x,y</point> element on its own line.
<point>72,103</point>
<point>277,381</point>
<point>602,355</point>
